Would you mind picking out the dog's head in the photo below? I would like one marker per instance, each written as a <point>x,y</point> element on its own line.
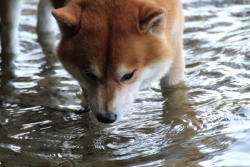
<point>113,48</point>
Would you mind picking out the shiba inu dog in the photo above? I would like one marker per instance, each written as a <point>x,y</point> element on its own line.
<point>113,48</point>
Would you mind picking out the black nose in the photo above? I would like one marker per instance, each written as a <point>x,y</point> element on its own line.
<point>106,118</point>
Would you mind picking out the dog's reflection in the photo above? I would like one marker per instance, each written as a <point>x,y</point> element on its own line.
<point>178,111</point>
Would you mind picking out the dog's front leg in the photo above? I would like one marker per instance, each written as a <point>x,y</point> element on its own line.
<point>10,11</point>
<point>176,73</point>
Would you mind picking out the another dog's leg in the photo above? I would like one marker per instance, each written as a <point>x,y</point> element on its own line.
<point>45,26</point>
<point>10,13</point>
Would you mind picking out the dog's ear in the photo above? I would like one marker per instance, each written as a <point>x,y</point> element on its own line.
<point>68,18</point>
<point>152,19</point>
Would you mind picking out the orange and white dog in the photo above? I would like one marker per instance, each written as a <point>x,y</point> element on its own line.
<point>113,48</point>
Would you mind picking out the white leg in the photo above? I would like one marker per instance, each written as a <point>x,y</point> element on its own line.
<point>10,13</point>
<point>176,72</point>
<point>46,25</point>
<point>44,17</point>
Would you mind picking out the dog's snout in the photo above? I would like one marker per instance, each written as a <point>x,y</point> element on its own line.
<point>106,117</point>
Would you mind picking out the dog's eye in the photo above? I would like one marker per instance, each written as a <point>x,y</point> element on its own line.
<point>90,75</point>
<point>127,76</point>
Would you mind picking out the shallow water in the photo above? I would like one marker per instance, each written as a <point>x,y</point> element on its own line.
<point>204,123</point>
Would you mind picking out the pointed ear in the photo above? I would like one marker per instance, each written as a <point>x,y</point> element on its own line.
<point>68,18</point>
<point>152,19</point>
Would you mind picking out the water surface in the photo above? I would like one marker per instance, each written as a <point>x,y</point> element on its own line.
<point>204,123</point>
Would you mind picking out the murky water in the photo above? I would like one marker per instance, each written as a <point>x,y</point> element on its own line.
<point>204,123</point>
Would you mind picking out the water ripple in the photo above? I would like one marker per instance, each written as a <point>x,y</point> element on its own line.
<point>203,122</point>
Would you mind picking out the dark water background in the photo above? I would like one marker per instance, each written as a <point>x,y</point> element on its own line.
<point>206,123</point>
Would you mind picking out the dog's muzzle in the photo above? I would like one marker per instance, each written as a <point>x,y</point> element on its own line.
<point>106,117</point>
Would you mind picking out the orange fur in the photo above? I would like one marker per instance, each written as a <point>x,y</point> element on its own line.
<point>113,33</point>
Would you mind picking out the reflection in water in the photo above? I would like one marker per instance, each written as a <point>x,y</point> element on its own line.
<point>202,123</point>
